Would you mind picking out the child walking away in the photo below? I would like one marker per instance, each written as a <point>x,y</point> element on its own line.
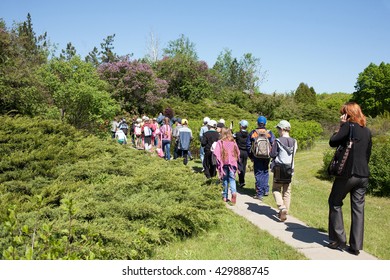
<point>227,153</point>
<point>120,136</point>
<point>184,139</point>
<point>138,134</point>
<point>282,165</point>
<point>147,131</point>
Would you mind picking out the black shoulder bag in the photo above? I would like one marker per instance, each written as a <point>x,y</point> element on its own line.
<point>337,164</point>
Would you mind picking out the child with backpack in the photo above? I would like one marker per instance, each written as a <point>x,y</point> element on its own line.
<point>259,143</point>
<point>227,153</point>
<point>147,131</point>
<point>282,165</point>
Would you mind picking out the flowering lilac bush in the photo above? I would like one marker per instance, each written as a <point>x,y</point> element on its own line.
<point>134,85</point>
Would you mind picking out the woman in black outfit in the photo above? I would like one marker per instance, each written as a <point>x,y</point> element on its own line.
<point>354,181</point>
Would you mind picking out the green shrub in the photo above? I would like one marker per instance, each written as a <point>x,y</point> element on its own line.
<point>74,196</point>
<point>379,181</point>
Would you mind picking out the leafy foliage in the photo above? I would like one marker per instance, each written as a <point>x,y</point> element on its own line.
<point>77,92</point>
<point>22,53</point>
<point>372,89</point>
<point>188,79</point>
<point>304,94</point>
<point>134,85</point>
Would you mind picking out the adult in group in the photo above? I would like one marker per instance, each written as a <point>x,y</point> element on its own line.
<point>208,139</point>
<point>353,181</point>
<point>202,131</point>
<point>241,138</point>
<point>259,144</point>
<point>283,151</point>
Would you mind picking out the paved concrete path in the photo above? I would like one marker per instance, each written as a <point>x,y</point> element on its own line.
<point>309,241</point>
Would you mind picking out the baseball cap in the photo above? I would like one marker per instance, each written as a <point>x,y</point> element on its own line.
<point>262,120</point>
<point>184,121</point>
<point>212,123</point>
<point>244,123</point>
<point>206,120</point>
<point>283,125</point>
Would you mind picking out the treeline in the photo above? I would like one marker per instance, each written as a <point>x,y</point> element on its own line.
<point>85,92</point>
<point>88,92</point>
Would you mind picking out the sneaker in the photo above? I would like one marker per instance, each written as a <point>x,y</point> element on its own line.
<point>283,214</point>
<point>258,197</point>
<point>242,185</point>
<point>266,194</point>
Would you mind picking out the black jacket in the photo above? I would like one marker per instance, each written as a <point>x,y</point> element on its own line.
<point>241,138</point>
<point>357,163</point>
<point>209,137</point>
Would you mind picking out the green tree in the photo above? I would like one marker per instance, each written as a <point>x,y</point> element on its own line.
<point>69,52</point>
<point>93,57</point>
<point>21,54</point>
<point>187,78</point>
<point>107,53</point>
<point>182,46</point>
<point>244,74</point>
<point>373,89</point>
<point>304,94</point>
<point>78,92</point>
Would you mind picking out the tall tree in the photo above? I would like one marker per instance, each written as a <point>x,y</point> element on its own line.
<point>69,52</point>
<point>93,57</point>
<point>21,54</point>
<point>244,74</point>
<point>305,95</point>
<point>373,89</point>
<point>107,54</point>
<point>182,46</point>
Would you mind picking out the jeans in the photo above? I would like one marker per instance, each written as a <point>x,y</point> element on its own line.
<point>166,147</point>
<point>228,179</point>
<point>201,154</point>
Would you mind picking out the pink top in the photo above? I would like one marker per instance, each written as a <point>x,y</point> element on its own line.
<point>228,147</point>
<point>166,132</point>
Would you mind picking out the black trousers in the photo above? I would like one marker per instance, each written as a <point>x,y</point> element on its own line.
<point>242,166</point>
<point>210,170</point>
<point>356,187</point>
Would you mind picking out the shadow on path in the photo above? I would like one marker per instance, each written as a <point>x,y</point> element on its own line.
<point>299,231</point>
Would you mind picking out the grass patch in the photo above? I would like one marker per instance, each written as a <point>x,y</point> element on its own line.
<point>234,238</point>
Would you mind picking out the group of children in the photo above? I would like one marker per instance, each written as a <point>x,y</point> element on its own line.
<point>222,152</point>
<point>226,153</point>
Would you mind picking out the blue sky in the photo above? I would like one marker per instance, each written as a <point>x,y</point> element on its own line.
<point>325,44</point>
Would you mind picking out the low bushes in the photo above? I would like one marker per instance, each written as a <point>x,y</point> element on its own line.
<point>68,195</point>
